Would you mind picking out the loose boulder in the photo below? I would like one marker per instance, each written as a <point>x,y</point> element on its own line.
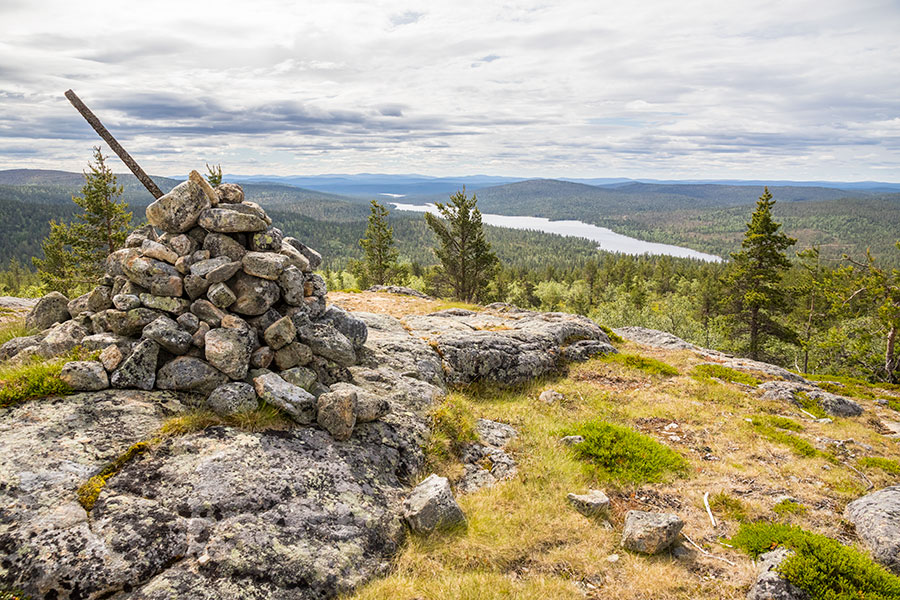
<point>650,533</point>
<point>85,376</point>
<point>592,504</point>
<point>431,506</point>
<point>877,520</point>
<point>51,309</point>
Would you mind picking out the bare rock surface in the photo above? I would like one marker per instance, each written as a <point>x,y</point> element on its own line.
<point>877,520</point>
<point>650,533</point>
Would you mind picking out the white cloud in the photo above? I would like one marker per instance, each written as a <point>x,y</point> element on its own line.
<point>781,90</point>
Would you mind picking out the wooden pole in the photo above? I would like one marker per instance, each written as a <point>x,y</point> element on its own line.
<point>94,122</point>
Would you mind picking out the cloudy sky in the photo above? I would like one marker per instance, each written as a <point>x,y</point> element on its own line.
<point>690,89</point>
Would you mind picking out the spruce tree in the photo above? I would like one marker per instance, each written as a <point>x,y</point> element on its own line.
<point>74,253</point>
<point>467,262</point>
<point>381,255</point>
<point>754,295</point>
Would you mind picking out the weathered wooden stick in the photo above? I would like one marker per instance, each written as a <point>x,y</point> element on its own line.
<point>94,122</point>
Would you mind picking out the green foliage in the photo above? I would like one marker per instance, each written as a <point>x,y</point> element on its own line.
<point>13,595</point>
<point>781,422</point>
<point>887,465</point>
<point>34,379</point>
<point>788,507</point>
<point>710,371</point>
<point>799,446</point>
<point>641,363</point>
<point>214,175</point>
<point>12,330</point>
<point>622,454</point>
<point>755,297</point>
<point>381,265</point>
<point>614,337</point>
<point>74,253</point>
<point>467,262</point>
<point>810,405</point>
<point>821,566</point>
<point>452,427</point>
<point>730,506</point>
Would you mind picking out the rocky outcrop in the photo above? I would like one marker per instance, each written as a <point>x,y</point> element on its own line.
<point>790,391</point>
<point>769,584</point>
<point>876,517</point>
<point>486,461</point>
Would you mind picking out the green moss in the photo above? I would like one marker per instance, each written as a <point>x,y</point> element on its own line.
<point>781,422</point>
<point>31,380</point>
<point>614,337</point>
<point>822,567</point>
<point>89,492</point>
<point>622,454</point>
<point>810,405</point>
<point>876,462</point>
<point>641,363</point>
<point>851,386</point>
<point>799,446</point>
<point>730,506</point>
<point>788,507</point>
<point>707,371</point>
<point>894,404</point>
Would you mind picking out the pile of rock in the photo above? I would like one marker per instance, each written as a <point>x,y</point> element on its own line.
<point>220,303</point>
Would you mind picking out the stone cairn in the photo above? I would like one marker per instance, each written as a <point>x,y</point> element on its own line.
<point>219,304</point>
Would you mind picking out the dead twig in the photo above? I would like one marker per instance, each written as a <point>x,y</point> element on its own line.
<point>712,519</point>
<point>705,553</point>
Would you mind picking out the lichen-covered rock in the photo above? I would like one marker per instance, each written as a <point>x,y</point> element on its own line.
<point>111,357</point>
<point>280,333</point>
<point>158,251</point>
<point>78,305</point>
<point>126,302</point>
<point>291,281</point>
<point>232,397</point>
<point>178,210</point>
<point>166,332</point>
<point>221,295</point>
<point>336,413</point>
<point>139,369</point>
<point>84,376</point>
<point>592,504</point>
<point>254,295</point>
<point>326,341</point>
<point>227,220</point>
<point>769,584</point>
<point>294,400</point>
<point>790,391</point>
<point>223,272</point>
<point>431,506</point>
<point>230,193</point>
<point>220,244</point>
<point>161,279</point>
<point>353,328</point>
<point>877,520</point>
<point>62,338</point>
<point>189,374</point>
<point>229,351</point>
<point>52,308</point>
<point>267,241</point>
<point>266,265</point>
<point>169,304</point>
<point>131,323</point>
<point>650,533</point>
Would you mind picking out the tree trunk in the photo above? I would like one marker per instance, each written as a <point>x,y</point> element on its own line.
<point>890,361</point>
<point>754,332</point>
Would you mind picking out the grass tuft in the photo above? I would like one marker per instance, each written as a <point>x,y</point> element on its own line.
<point>708,371</point>
<point>876,462</point>
<point>641,363</point>
<point>34,379</point>
<point>730,506</point>
<point>799,446</point>
<point>788,507</point>
<point>821,566</point>
<point>622,454</point>
<point>12,330</point>
<point>453,426</point>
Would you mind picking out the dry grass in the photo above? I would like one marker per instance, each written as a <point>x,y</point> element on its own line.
<point>524,541</point>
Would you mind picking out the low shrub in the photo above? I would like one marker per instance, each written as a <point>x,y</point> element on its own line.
<point>730,506</point>
<point>614,337</point>
<point>885,464</point>
<point>622,454</point>
<point>641,363</point>
<point>37,379</point>
<point>821,566</point>
<point>788,507</point>
<point>709,371</point>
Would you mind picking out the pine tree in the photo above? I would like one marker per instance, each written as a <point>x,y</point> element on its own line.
<point>381,256</point>
<point>755,297</point>
<point>214,175</point>
<point>74,253</point>
<point>467,262</point>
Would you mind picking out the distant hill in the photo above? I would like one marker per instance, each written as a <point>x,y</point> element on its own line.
<point>367,185</point>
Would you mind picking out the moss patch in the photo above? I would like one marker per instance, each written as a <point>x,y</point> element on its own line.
<point>641,363</point>
<point>31,380</point>
<point>614,337</point>
<point>810,405</point>
<point>799,446</point>
<point>788,507</point>
<point>723,373</point>
<point>622,454</point>
<point>876,462</point>
<point>731,507</point>
<point>824,568</point>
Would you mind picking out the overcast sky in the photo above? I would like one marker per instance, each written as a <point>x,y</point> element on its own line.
<point>687,89</point>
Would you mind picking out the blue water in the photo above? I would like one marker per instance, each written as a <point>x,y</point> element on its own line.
<point>606,239</point>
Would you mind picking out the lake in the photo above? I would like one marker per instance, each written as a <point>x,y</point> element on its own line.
<point>606,239</point>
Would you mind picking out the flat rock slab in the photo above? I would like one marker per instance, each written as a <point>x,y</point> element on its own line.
<point>877,520</point>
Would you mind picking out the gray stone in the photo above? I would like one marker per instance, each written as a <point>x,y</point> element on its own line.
<point>280,333</point>
<point>99,341</point>
<point>115,262</point>
<point>582,350</point>
<point>877,520</point>
<point>111,357</point>
<point>431,506</point>
<point>294,400</point>
<point>262,357</point>
<point>232,397</point>
<point>195,286</point>
<point>551,397</point>
<point>229,351</point>
<point>292,355</point>
<point>313,257</point>
<point>50,309</point>
<point>226,220</point>
<point>137,237</point>
<point>84,376</point>
<point>189,374</point>
<point>370,405</point>
<point>207,312</point>
<point>132,322</point>
<point>400,290</point>
<point>336,413</point>
<point>178,211</point>
<point>220,244</point>
<point>100,298</point>
<point>291,281</point>
<point>126,302</point>
<point>14,346</point>
<point>294,257</point>
<point>592,504</point>
<point>139,369</point>
<point>169,304</point>
<point>650,533</point>
<point>230,193</point>
<point>571,440</point>
<point>266,265</point>
<point>62,338</point>
<point>188,321</point>
<point>158,251</point>
<point>494,433</point>
<point>183,245</point>
<point>769,584</point>
<point>267,241</point>
<point>254,295</point>
<point>165,332</point>
<point>354,329</point>
<point>301,377</point>
<point>158,277</point>
<point>78,305</point>
<point>790,391</point>
<point>223,272</point>
<point>221,295</point>
<point>203,267</point>
<point>198,339</point>
<point>326,341</point>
